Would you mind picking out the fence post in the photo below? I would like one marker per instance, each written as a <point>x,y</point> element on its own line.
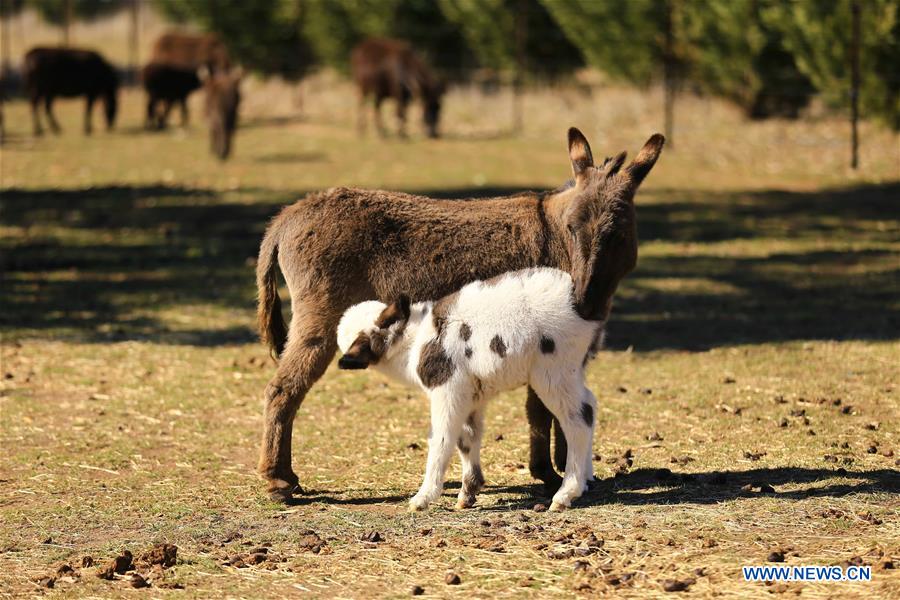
<point>669,73</point>
<point>521,25</point>
<point>133,58</point>
<point>854,86</point>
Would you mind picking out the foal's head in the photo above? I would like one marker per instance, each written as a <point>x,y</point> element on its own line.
<point>600,224</point>
<point>368,330</point>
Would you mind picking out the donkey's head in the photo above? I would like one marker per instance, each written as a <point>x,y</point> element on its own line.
<point>223,97</point>
<point>368,330</point>
<point>600,223</point>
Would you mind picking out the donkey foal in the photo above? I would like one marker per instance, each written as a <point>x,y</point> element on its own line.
<point>491,336</point>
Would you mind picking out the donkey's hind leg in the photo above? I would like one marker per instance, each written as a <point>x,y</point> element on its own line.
<point>469,446</point>
<point>309,351</point>
<point>539,424</point>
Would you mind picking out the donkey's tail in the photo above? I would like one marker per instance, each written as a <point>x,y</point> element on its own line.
<point>272,328</point>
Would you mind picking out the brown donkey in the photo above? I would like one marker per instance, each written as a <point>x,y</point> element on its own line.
<point>342,246</point>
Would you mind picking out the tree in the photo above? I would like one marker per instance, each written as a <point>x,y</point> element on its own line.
<point>736,54</point>
<point>634,41</point>
<point>504,33</point>
<point>54,11</point>
<point>818,33</point>
<point>264,35</point>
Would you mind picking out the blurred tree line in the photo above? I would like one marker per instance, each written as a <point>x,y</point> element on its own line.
<point>768,56</point>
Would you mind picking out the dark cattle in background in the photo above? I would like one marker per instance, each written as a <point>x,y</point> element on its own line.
<point>167,85</point>
<point>67,72</point>
<point>223,96</point>
<point>384,68</point>
<point>191,51</point>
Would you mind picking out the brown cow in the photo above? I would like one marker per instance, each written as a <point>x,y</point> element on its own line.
<point>223,96</point>
<point>191,51</point>
<point>343,246</point>
<point>167,85</point>
<point>68,72</point>
<point>386,68</point>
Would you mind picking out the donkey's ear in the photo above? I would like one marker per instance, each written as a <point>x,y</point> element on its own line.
<point>646,158</point>
<point>579,154</point>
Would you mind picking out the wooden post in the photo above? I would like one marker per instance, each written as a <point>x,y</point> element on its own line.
<point>669,74</point>
<point>5,61</point>
<point>133,58</point>
<point>67,21</point>
<point>521,31</point>
<point>854,86</point>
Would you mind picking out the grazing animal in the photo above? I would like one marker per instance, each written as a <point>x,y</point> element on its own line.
<point>190,51</point>
<point>343,246</point>
<point>384,68</point>
<point>167,85</point>
<point>489,337</point>
<point>67,72</point>
<point>223,97</point>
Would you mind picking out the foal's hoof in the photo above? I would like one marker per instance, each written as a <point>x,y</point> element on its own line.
<point>557,507</point>
<point>464,503</point>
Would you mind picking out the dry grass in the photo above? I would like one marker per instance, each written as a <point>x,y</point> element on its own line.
<point>130,405</point>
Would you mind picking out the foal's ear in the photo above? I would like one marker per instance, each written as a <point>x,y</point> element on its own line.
<point>394,313</point>
<point>646,158</point>
<point>579,154</point>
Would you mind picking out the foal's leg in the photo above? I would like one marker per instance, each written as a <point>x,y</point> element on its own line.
<point>574,406</point>
<point>469,446</point>
<point>448,413</point>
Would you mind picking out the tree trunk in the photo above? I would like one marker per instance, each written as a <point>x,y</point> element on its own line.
<point>67,21</point>
<point>521,25</point>
<point>670,74</point>
<point>854,86</point>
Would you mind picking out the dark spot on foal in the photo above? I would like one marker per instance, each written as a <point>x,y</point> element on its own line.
<point>435,367</point>
<point>473,481</point>
<point>462,446</point>
<point>465,332</point>
<point>587,413</point>
<point>468,352</point>
<point>547,345</point>
<point>498,347</point>
<point>471,420</point>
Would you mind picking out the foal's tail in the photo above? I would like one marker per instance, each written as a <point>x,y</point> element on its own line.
<point>272,329</point>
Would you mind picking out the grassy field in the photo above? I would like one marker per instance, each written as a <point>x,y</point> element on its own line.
<point>752,368</point>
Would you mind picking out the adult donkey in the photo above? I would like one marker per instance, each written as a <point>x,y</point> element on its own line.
<point>342,246</point>
<point>385,68</point>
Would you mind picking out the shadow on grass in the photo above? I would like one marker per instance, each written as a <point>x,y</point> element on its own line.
<point>661,486</point>
<point>93,264</point>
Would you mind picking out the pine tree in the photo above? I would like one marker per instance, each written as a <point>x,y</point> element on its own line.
<point>819,35</point>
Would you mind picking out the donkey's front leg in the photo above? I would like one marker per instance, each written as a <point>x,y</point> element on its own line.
<point>469,447</point>
<point>446,425</point>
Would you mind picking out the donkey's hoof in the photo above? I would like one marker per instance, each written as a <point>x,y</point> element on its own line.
<point>557,507</point>
<point>414,508</point>
<point>283,491</point>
